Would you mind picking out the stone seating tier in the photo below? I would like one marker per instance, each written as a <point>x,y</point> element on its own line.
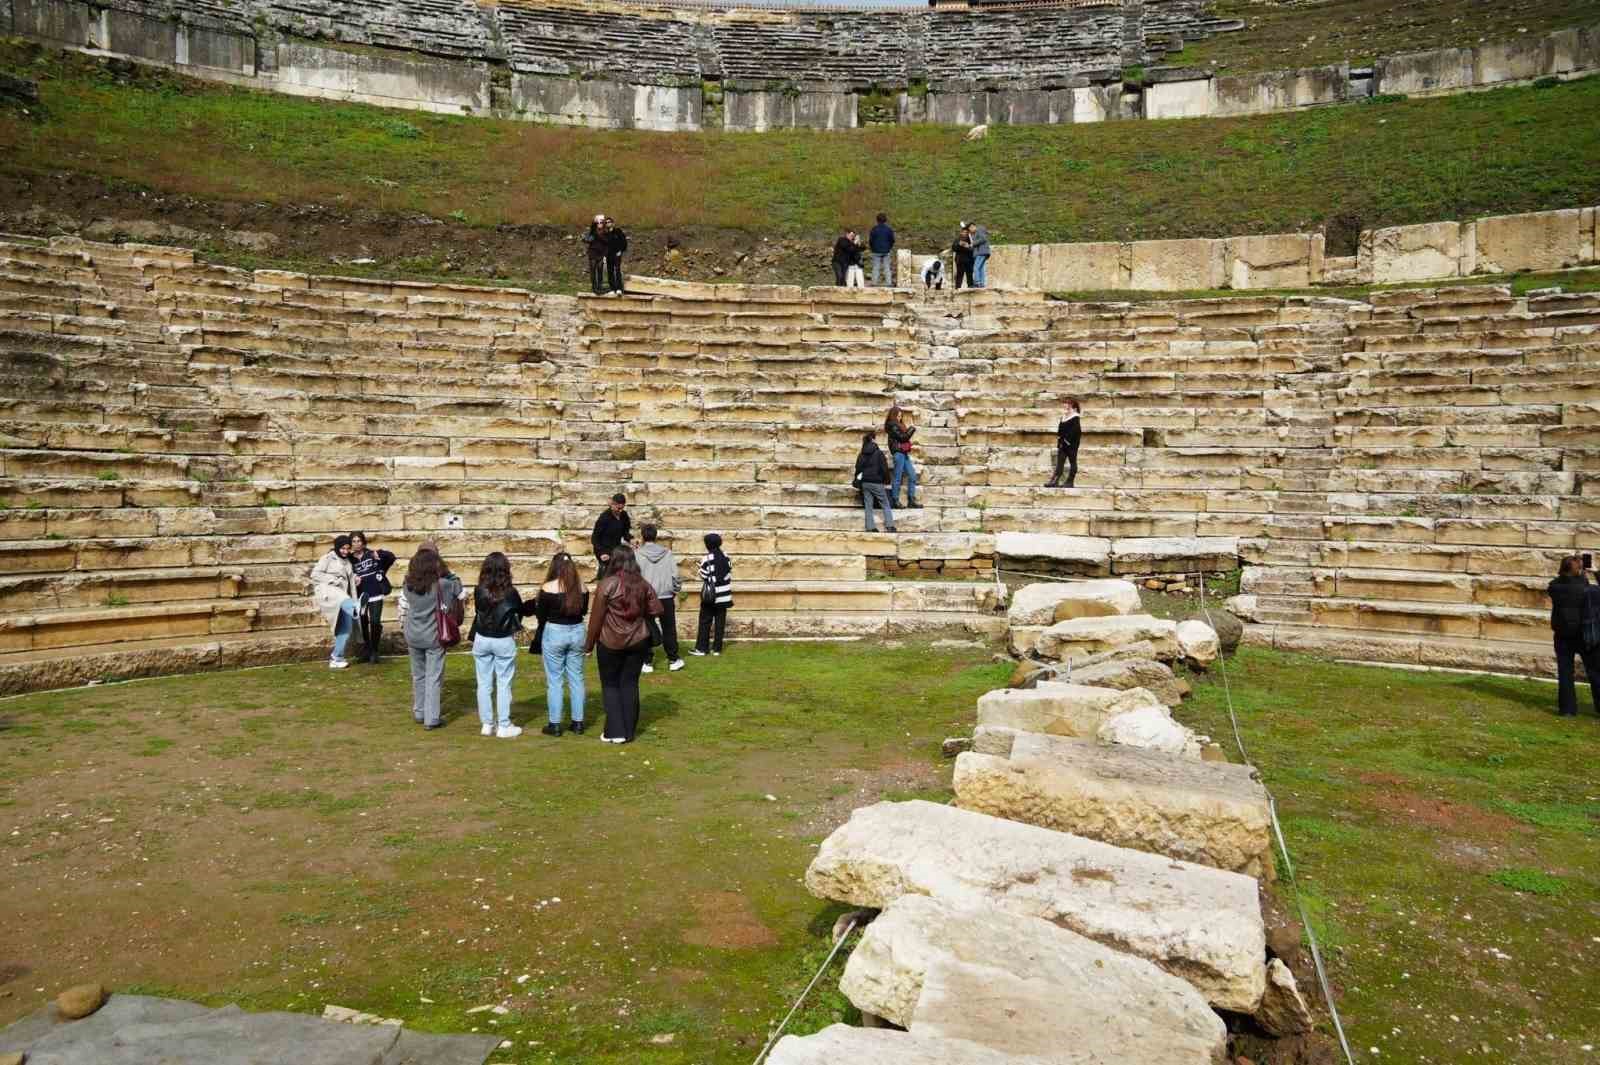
<point>1408,467</point>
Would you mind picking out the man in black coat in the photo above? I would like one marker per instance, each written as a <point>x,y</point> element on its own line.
<point>1570,603</point>
<point>616,245</point>
<point>597,245</point>
<point>1068,434</point>
<point>611,529</point>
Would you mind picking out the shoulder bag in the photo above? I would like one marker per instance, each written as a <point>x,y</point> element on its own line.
<point>449,617</point>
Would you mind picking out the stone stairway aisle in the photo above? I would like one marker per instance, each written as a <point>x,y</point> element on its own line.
<point>1091,896</point>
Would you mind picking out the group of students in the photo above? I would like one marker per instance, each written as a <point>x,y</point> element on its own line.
<point>631,613</point>
<point>970,251</point>
<point>605,243</point>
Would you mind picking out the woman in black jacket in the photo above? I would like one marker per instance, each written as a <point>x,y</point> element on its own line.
<point>900,435</point>
<point>962,249</point>
<point>1571,600</point>
<point>370,570</point>
<point>497,613</point>
<point>872,470</point>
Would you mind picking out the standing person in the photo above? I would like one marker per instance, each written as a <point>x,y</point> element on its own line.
<point>962,249</point>
<point>616,247</point>
<point>716,598</point>
<point>429,587</point>
<point>560,608</point>
<point>872,470</point>
<point>1068,434</point>
<point>1569,608</point>
<point>598,245</point>
<point>881,242</point>
<point>333,591</point>
<point>496,619</point>
<point>980,255</point>
<point>619,634</point>
<point>371,570</point>
<point>659,567</point>
<point>843,249</point>
<point>854,276</point>
<point>611,529</point>
<point>900,436</point>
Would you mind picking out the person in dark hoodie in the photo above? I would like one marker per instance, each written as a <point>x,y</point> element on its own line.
<point>370,569</point>
<point>659,567</point>
<point>872,472</point>
<point>1068,435</point>
<point>1570,603</point>
<point>598,244</point>
<point>616,247</point>
<point>611,530</point>
<point>881,241</point>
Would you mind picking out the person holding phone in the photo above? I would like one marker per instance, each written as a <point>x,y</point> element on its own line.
<point>1574,602</point>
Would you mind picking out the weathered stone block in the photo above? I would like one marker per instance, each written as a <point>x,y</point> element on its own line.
<point>1076,638</point>
<point>839,1043</point>
<point>1057,708</point>
<point>1170,265</point>
<point>1544,240</point>
<point>1125,673</point>
<point>1045,604</point>
<point>1410,253</point>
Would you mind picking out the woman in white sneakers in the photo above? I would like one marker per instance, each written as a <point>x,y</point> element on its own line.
<point>333,590</point>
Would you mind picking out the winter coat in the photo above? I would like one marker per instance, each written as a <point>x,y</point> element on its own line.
<point>609,531</point>
<point>371,573</point>
<point>660,568</point>
<point>881,239</point>
<point>598,243</point>
<point>846,252</point>
<point>898,435</point>
<point>419,614</point>
<point>619,619</point>
<point>1568,598</point>
<point>963,251</point>
<point>872,464</point>
<point>1069,433</point>
<point>717,568</point>
<point>616,242</point>
<point>980,240</point>
<point>331,584</point>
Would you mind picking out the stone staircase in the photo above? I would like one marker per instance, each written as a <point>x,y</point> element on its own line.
<point>178,442</point>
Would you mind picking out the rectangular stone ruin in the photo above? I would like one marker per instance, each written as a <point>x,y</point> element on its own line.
<point>1212,813</point>
<point>1001,978</point>
<point>840,1044</point>
<point>1196,922</point>
<point>1134,717</point>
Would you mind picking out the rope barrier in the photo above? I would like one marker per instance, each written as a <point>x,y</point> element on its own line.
<point>851,927</point>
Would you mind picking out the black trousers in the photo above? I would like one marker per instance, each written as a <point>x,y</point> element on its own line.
<point>372,626</point>
<point>1568,648</point>
<point>614,272</point>
<point>1065,456</point>
<point>838,273</point>
<point>619,687</point>
<point>597,276</point>
<point>711,617</point>
<point>666,629</point>
<point>963,270</point>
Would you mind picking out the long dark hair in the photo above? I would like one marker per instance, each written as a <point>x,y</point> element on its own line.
<point>624,567</point>
<point>896,416</point>
<point>564,572</point>
<point>422,573</point>
<point>494,577</point>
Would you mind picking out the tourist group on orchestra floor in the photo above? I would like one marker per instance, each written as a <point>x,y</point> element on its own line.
<point>630,611</point>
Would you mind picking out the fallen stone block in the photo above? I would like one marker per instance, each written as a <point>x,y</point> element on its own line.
<point>1151,728</point>
<point>840,1044</point>
<point>1058,708</point>
<point>1198,643</point>
<point>1283,1011</point>
<point>1047,603</point>
<point>1196,922</point>
<point>1125,673</point>
<point>1205,812</point>
<point>1077,638</point>
<point>1000,978</point>
<point>994,739</point>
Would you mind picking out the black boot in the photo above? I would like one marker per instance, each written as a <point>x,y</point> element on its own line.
<point>375,648</point>
<point>913,504</point>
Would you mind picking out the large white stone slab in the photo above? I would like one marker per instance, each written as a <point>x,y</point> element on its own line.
<point>1213,813</point>
<point>1047,603</point>
<point>1077,638</point>
<point>1088,550</point>
<point>839,1044</point>
<point>1196,922</point>
<point>1000,978</point>
<point>1058,708</point>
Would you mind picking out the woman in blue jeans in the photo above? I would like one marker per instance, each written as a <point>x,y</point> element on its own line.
<point>560,608</point>
<point>900,448</point>
<point>496,619</point>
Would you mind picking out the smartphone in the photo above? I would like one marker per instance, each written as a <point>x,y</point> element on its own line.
<point>1588,560</point>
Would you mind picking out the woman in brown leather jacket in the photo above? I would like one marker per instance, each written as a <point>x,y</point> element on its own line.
<point>619,634</point>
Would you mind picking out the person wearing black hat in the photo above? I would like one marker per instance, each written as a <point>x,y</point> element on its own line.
<point>333,590</point>
<point>611,529</point>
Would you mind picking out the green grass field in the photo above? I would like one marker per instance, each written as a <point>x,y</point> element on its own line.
<point>287,838</point>
<point>1372,164</point>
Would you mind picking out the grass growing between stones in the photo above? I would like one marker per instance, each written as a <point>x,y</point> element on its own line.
<point>1446,837</point>
<point>287,838</point>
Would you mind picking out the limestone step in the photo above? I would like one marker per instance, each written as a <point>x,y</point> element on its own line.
<point>999,979</point>
<point>1207,812</point>
<point>1529,658</point>
<point>109,625</point>
<point>1198,923</point>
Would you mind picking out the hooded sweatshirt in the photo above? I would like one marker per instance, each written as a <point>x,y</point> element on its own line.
<point>659,568</point>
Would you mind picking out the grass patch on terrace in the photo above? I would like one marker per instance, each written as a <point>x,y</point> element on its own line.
<point>1280,36</point>
<point>1446,837</point>
<point>1372,164</point>
<point>286,838</point>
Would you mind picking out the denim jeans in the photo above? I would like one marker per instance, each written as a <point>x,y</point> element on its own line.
<point>343,626</point>
<point>870,493</point>
<point>883,268</point>
<point>903,470</point>
<point>495,658</point>
<point>563,660</point>
<point>980,271</point>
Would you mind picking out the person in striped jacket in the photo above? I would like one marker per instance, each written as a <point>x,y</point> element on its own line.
<point>716,596</point>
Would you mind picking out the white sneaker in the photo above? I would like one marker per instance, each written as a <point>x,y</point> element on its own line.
<point>508,732</point>
<point>716,654</point>
<point>338,663</point>
<point>677,664</point>
<point>487,730</point>
<point>698,654</point>
<point>648,668</point>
